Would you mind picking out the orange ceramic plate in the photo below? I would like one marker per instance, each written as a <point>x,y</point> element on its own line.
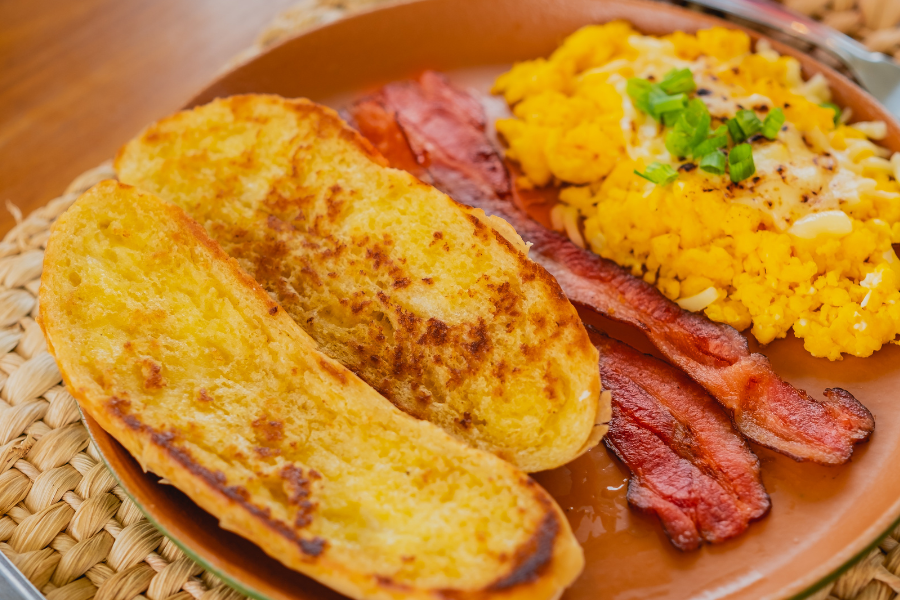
<point>822,517</point>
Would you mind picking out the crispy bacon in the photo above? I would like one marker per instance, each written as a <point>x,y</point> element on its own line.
<point>688,465</point>
<point>445,130</point>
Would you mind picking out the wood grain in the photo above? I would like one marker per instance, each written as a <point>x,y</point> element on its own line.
<point>78,79</point>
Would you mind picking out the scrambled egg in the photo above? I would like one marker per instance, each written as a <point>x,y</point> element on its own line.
<point>803,244</point>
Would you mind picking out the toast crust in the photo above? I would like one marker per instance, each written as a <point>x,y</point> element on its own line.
<point>427,300</point>
<point>126,355</point>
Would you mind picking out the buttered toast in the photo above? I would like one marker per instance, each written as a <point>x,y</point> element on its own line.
<point>422,297</point>
<point>186,361</point>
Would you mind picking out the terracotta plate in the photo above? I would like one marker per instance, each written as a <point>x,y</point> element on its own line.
<point>822,518</point>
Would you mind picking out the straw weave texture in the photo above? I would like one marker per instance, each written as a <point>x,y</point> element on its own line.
<point>65,522</point>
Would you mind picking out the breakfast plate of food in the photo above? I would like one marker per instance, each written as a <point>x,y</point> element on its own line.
<point>500,299</point>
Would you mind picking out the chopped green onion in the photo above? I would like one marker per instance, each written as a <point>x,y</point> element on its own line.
<point>683,124</point>
<point>710,145</point>
<point>700,132</point>
<point>835,108</point>
<point>689,129</point>
<point>740,162</point>
<point>661,102</point>
<point>740,152</point>
<point>678,143</point>
<point>658,173</point>
<point>720,130</point>
<point>714,162</point>
<point>695,111</point>
<point>670,119</point>
<point>696,121</point>
<point>678,81</point>
<point>772,124</point>
<point>737,135</point>
<point>636,84</point>
<point>637,90</point>
<point>748,122</point>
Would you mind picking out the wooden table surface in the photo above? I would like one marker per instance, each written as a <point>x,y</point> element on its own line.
<point>78,78</point>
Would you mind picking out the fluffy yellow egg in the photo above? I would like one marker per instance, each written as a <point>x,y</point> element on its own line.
<point>804,244</point>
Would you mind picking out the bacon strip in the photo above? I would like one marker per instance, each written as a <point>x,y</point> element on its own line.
<point>445,130</point>
<point>688,465</point>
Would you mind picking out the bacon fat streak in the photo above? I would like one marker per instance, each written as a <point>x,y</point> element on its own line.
<point>444,129</point>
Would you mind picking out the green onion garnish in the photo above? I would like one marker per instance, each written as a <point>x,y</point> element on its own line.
<point>670,118</point>
<point>835,108</point>
<point>737,135</point>
<point>658,173</point>
<point>714,162</point>
<point>690,121</point>
<point>718,140</point>
<point>678,81</point>
<point>689,130</point>
<point>678,143</point>
<point>772,124</point>
<point>748,122</point>
<point>740,163</point>
<point>661,102</point>
<point>637,90</point>
<point>740,152</point>
<point>695,121</point>
<point>694,113</point>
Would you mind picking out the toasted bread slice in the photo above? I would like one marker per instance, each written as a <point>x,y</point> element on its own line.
<point>418,295</point>
<point>207,382</point>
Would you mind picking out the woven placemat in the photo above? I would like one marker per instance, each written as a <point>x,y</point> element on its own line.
<point>69,527</point>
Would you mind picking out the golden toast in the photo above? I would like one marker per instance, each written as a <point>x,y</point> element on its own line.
<point>425,299</point>
<point>186,360</point>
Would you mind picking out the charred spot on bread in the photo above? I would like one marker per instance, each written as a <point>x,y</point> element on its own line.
<point>533,557</point>
<point>270,429</point>
<point>311,547</point>
<point>336,373</point>
<point>217,481</point>
<point>152,372</point>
